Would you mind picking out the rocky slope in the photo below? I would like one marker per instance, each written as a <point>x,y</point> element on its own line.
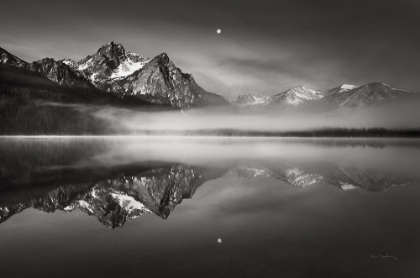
<point>9,59</point>
<point>59,72</point>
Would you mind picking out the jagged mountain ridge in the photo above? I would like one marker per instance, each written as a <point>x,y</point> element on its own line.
<point>113,69</point>
<point>54,70</point>
<point>111,61</point>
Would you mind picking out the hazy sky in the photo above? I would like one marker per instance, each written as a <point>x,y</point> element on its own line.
<point>265,46</point>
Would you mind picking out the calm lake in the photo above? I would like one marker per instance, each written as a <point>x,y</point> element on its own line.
<point>209,207</point>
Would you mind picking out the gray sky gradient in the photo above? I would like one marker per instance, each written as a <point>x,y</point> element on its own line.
<point>265,46</point>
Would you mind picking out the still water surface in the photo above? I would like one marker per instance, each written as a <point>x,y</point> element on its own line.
<point>209,207</point>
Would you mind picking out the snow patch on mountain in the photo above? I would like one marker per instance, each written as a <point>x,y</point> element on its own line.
<point>127,68</point>
<point>129,203</point>
<point>84,204</point>
<point>347,186</point>
<point>68,62</point>
<point>85,65</point>
<point>69,208</point>
<point>346,87</point>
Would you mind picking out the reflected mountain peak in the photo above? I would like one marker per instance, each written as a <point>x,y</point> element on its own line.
<point>299,178</point>
<point>246,173</point>
<point>347,186</point>
<point>114,201</point>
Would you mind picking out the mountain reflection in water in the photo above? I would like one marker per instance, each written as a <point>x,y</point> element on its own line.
<point>120,179</point>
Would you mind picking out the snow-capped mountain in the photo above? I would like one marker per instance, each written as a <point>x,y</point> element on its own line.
<point>349,100</point>
<point>110,62</point>
<point>116,70</point>
<point>244,100</point>
<point>296,96</point>
<point>293,97</point>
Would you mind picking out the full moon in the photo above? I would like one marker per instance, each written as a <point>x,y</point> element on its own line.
<point>219,31</point>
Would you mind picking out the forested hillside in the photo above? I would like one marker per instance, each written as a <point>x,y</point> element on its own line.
<point>31,104</point>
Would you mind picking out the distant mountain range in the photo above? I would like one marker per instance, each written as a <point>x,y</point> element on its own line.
<point>343,99</point>
<point>113,69</point>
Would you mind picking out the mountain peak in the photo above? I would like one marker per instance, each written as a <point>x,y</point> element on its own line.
<point>163,57</point>
<point>296,96</point>
<point>112,50</point>
<point>110,62</point>
<point>300,88</point>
